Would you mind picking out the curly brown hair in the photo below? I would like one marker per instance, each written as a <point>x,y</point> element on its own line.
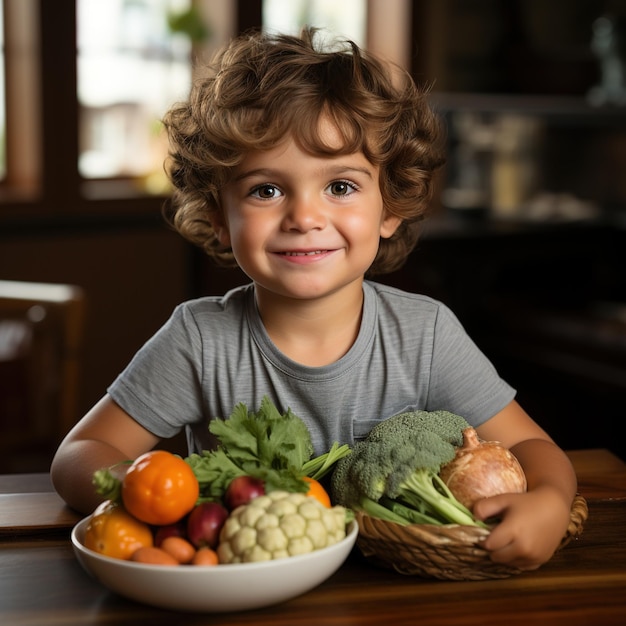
<point>263,88</point>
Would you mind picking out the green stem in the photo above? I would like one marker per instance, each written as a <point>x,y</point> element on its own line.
<point>374,509</point>
<point>107,485</point>
<point>319,466</point>
<point>413,516</point>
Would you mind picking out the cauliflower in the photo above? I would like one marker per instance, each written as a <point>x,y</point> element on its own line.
<point>277,525</point>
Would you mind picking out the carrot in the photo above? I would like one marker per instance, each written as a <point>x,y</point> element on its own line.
<point>205,556</point>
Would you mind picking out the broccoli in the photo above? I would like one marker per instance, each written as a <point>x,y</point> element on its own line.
<point>394,472</point>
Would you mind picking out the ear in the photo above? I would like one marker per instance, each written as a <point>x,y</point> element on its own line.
<point>223,236</point>
<point>389,225</point>
<point>221,229</point>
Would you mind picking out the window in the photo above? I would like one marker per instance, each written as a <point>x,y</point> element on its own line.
<point>347,18</point>
<point>3,122</point>
<point>89,80</point>
<point>131,67</point>
<point>20,102</point>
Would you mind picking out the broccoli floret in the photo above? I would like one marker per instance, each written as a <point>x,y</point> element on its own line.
<point>448,426</point>
<point>357,478</point>
<point>396,468</point>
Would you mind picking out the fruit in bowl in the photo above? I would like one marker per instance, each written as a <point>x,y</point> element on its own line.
<point>240,533</point>
<point>275,547</point>
<point>216,588</point>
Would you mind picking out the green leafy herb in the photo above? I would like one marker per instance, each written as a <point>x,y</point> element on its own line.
<point>272,446</point>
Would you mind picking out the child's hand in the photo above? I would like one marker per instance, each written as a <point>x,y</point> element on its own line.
<point>531,528</point>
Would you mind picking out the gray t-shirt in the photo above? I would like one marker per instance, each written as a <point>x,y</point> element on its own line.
<point>411,353</point>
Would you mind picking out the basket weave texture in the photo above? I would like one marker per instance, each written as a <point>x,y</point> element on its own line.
<point>449,552</point>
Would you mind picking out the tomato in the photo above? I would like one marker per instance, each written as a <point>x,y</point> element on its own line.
<point>159,488</point>
<point>113,532</point>
<point>317,491</point>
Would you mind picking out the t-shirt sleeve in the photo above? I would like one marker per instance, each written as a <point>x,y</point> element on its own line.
<point>463,380</point>
<point>161,386</point>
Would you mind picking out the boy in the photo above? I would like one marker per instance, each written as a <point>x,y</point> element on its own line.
<point>312,169</point>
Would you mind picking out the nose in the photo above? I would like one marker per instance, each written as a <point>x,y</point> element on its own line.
<point>304,213</point>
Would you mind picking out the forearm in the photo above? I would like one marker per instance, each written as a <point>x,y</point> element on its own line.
<point>73,467</point>
<point>106,436</point>
<point>546,465</point>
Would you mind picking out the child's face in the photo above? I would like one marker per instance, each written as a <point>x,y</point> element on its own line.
<point>304,226</point>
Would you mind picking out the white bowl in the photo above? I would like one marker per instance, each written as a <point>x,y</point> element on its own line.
<point>216,588</point>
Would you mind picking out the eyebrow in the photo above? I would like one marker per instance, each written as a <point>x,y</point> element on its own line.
<point>334,170</point>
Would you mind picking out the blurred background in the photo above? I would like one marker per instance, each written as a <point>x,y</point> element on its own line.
<point>527,243</point>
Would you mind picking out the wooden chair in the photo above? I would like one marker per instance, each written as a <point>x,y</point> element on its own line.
<point>41,336</point>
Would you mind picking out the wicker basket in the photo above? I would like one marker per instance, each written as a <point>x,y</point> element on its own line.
<point>449,552</point>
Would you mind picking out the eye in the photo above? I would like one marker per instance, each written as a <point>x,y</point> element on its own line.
<point>265,192</point>
<point>341,188</point>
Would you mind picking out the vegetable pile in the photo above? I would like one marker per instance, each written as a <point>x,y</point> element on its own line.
<point>268,446</point>
<point>257,496</point>
<point>397,472</point>
<point>278,525</point>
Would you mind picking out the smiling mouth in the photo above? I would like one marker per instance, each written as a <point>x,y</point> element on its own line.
<point>311,253</point>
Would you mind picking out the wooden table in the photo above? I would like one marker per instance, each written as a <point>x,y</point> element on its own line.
<point>42,584</point>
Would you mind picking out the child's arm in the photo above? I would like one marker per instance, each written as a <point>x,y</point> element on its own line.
<point>533,523</point>
<point>104,437</point>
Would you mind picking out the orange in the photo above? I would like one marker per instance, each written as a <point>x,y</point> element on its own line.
<point>317,491</point>
<point>113,532</point>
<point>159,488</point>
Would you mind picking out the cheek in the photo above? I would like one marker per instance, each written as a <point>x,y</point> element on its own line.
<point>363,227</point>
<point>245,235</point>
<point>362,236</point>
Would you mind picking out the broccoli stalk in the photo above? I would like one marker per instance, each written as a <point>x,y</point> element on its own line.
<point>385,511</point>
<point>394,472</point>
<point>423,487</point>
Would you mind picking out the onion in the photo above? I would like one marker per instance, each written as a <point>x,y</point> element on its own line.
<point>481,469</point>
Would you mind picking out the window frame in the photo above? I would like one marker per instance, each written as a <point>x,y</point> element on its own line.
<point>58,195</point>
